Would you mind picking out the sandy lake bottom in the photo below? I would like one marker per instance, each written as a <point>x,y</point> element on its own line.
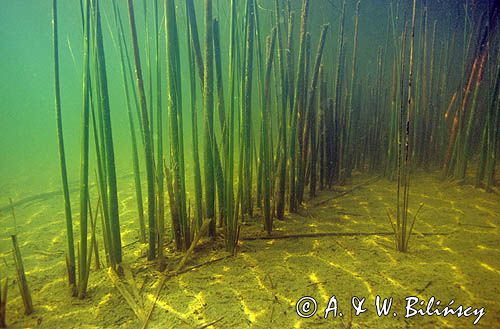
<point>339,244</point>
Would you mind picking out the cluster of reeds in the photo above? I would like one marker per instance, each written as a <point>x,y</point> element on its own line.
<point>478,58</point>
<point>403,225</point>
<point>21,278</point>
<point>96,115</point>
<point>448,121</point>
<point>420,117</point>
<point>281,121</point>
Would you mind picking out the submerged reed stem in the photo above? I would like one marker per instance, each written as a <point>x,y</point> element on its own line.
<point>147,137</point>
<point>70,246</point>
<point>208,105</point>
<point>84,156</point>
<point>21,277</point>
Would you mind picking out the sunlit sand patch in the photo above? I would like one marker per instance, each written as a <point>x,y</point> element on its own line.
<point>491,224</point>
<point>462,280</point>
<point>454,207</point>
<point>259,274</point>
<point>250,314</point>
<point>316,244</point>
<point>216,279</point>
<point>196,306</point>
<point>56,239</point>
<point>287,300</point>
<point>105,300</point>
<point>350,254</point>
<point>394,282</point>
<point>486,210</point>
<point>382,249</point>
<point>486,248</point>
<point>441,243</point>
<point>493,203</point>
<point>448,250</point>
<point>419,222</point>
<point>489,268</point>
<point>183,316</point>
<point>319,284</point>
<point>347,217</point>
<point>425,196</point>
<point>262,265</point>
<point>354,275</point>
<point>266,287</point>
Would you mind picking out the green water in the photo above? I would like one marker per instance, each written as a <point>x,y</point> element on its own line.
<point>454,64</point>
<point>27,137</point>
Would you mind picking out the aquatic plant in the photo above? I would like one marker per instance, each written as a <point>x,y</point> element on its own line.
<point>310,127</point>
<point>183,236</point>
<point>347,157</point>
<point>146,138</point>
<point>459,141</point>
<point>280,122</point>
<point>125,67</point>
<point>298,104</point>
<point>267,167</point>
<point>108,147</point>
<point>402,227</point>
<point>282,142</point>
<point>231,204</point>
<point>84,156</point>
<point>245,174</point>
<point>193,49</point>
<point>21,278</point>
<point>70,247</point>
<point>490,136</point>
<point>160,179</point>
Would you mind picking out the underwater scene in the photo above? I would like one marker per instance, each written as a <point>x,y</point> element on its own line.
<point>250,164</point>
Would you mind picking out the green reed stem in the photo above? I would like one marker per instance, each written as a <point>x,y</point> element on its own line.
<point>195,40</point>
<point>208,102</point>
<point>310,129</point>
<point>231,209</point>
<point>70,245</point>
<point>160,194</point>
<point>282,150</point>
<point>297,103</point>
<point>135,153</point>
<point>147,138</point>
<point>198,210</point>
<point>109,147</point>
<point>174,110</point>
<point>348,141</point>
<point>221,107</point>
<point>21,277</point>
<point>267,171</point>
<point>84,153</point>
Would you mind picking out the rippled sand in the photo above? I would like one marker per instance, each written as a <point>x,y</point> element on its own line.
<point>261,285</point>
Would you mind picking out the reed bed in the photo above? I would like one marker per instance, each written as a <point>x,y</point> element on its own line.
<point>279,122</point>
